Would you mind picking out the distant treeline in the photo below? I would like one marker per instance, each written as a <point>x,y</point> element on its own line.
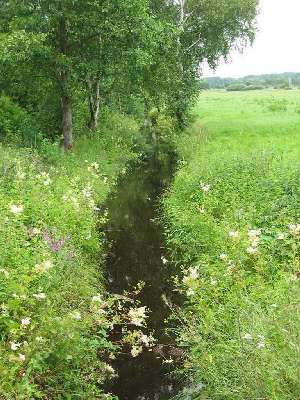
<point>286,80</point>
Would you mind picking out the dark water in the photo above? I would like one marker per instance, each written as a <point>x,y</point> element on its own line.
<point>136,248</point>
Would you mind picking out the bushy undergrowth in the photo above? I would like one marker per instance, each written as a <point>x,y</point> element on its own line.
<point>233,228</point>
<point>54,323</point>
<point>16,125</point>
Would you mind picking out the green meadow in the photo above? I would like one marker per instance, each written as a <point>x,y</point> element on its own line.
<point>232,225</point>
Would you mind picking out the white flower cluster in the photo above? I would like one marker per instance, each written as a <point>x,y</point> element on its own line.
<point>260,342</point>
<point>234,234</point>
<point>294,230</point>
<point>142,341</point>
<point>76,315</point>
<point>39,296</point>
<point>87,192</point>
<point>4,272</point>
<point>45,266</point>
<point>45,178</point>
<point>93,168</point>
<point>192,274</point>
<point>254,238</point>
<point>16,209</point>
<point>205,187</point>
<point>137,316</point>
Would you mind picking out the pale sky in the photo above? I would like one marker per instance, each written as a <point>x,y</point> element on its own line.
<point>277,45</point>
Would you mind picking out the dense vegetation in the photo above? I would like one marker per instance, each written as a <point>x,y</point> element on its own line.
<point>54,326</point>
<point>88,86</point>
<point>63,60</point>
<point>232,227</point>
<point>286,80</point>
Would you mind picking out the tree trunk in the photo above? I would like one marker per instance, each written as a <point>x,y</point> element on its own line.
<point>66,100</point>
<point>94,103</point>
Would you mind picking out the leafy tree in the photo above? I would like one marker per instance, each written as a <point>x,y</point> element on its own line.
<point>122,52</point>
<point>83,39</point>
<point>206,31</point>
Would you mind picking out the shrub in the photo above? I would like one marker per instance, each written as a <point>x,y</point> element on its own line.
<point>254,87</point>
<point>236,87</point>
<point>16,126</point>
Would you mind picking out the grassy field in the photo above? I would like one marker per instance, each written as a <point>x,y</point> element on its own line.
<point>54,318</point>
<point>232,220</point>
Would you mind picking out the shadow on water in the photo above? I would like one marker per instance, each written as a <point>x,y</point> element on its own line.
<point>135,252</point>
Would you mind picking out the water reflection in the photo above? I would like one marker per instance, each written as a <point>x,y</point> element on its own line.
<point>136,253</point>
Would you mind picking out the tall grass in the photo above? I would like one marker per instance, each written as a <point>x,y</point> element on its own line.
<point>232,224</point>
<point>54,327</point>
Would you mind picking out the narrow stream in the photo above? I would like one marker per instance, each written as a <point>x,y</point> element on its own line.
<point>136,253</point>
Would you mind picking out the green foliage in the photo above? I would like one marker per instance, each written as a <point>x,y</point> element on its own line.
<point>54,336</point>
<point>232,227</point>
<point>236,87</point>
<point>134,55</point>
<point>276,81</point>
<point>16,125</point>
<point>240,87</point>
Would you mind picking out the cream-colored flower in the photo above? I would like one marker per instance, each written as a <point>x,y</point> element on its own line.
<point>4,272</point>
<point>45,266</point>
<point>164,260</point>
<point>47,182</point>
<point>194,272</point>
<point>254,233</point>
<point>14,346</point>
<point>294,229</point>
<point>205,187</point>
<point>36,231</point>
<point>16,209</point>
<point>146,340</point>
<point>108,368</point>
<point>281,236</point>
<point>136,350</point>
<point>234,234</point>
<point>21,357</point>
<point>21,175</point>
<point>252,250</point>
<point>137,316</point>
<point>25,321</point>
<point>76,315</point>
<point>247,336</point>
<point>87,192</point>
<point>190,292</point>
<point>39,296</point>
<point>168,361</point>
<point>97,299</point>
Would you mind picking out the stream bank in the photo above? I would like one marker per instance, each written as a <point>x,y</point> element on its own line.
<point>135,246</point>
